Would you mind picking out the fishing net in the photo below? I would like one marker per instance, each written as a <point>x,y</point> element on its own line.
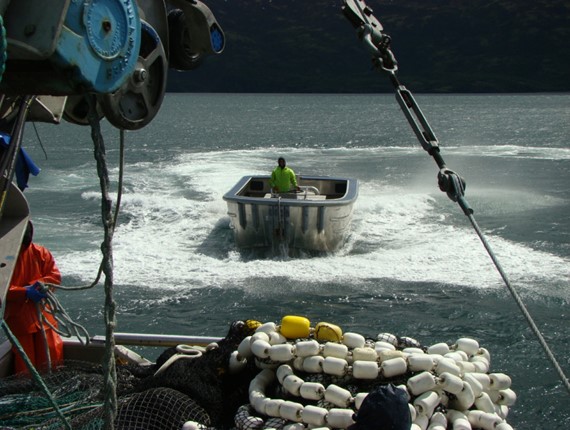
<point>154,409</point>
<point>200,390</point>
<point>207,379</point>
<point>76,387</point>
<point>273,386</point>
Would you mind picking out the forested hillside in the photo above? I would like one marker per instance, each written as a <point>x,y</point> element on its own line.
<point>440,46</point>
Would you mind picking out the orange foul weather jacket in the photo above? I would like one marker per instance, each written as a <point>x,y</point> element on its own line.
<point>34,264</point>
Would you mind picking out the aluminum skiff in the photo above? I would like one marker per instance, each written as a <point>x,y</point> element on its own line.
<point>317,218</point>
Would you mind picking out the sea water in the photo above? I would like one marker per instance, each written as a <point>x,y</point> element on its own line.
<point>413,265</point>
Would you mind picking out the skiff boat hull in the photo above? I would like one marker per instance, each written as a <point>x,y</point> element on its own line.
<point>317,218</point>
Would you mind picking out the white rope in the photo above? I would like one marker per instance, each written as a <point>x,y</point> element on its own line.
<point>66,326</point>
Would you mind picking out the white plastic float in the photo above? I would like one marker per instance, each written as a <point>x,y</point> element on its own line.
<point>448,387</point>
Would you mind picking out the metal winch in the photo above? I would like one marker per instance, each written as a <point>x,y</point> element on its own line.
<point>119,50</point>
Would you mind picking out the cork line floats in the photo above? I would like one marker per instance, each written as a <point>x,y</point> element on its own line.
<point>319,377</point>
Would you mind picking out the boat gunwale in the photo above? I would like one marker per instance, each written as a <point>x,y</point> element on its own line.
<point>348,197</point>
<point>86,352</point>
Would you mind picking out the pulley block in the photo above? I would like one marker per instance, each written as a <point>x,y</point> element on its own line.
<point>110,30</point>
<point>193,33</point>
<point>181,55</point>
<point>138,100</point>
<point>77,110</point>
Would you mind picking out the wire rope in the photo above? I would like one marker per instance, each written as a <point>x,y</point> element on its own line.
<point>369,31</point>
<point>520,304</point>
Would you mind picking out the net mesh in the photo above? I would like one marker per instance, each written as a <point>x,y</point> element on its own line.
<point>23,403</point>
<point>164,395</point>
<point>153,409</point>
<point>200,390</point>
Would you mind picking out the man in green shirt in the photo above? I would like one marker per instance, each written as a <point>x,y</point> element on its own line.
<point>283,178</point>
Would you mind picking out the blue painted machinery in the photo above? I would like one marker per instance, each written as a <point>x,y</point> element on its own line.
<point>63,47</point>
<point>119,50</point>
<point>55,52</point>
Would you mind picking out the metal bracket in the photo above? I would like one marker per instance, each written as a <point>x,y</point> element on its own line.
<point>205,34</point>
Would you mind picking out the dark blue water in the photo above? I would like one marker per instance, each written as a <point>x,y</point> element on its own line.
<point>413,265</point>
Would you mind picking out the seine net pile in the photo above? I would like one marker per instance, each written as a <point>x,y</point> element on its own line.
<point>200,390</point>
<point>275,384</point>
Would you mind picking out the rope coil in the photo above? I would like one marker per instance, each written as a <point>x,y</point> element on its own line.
<point>66,326</point>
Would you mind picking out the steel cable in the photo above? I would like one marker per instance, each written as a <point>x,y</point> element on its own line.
<point>520,304</point>
<point>369,30</point>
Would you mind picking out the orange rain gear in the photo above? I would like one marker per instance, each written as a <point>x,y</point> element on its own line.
<point>34,264</point>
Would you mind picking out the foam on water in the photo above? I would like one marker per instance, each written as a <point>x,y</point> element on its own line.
<point>174,232</point>
<point>513,151</point>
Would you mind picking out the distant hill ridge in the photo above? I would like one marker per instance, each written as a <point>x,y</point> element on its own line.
<point>441,46</point>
